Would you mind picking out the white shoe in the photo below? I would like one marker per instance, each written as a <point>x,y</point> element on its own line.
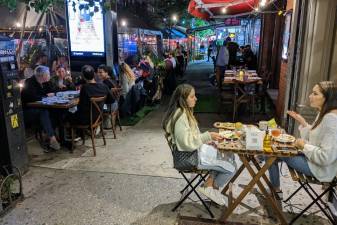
<point>212,194</point>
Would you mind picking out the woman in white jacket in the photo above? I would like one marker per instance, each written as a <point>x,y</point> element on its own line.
<point>182,128</point>
<point>318,143</point>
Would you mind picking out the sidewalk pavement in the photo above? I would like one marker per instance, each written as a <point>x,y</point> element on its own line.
<point>130,181</point>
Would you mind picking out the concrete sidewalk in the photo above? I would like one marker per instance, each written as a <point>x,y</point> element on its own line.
<point>131,181</point>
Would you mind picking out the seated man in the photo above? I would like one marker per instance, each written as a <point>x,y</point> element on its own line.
<point>62,81</point>
<point>36,88</point>
<point>88,90</point>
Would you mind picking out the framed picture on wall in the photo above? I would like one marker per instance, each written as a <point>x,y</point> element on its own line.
<point>286,35</point>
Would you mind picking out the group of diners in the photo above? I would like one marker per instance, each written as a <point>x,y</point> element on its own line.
<point>41,85</point>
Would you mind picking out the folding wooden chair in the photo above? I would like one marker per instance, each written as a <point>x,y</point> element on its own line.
<point>305,182</point>
<point>96,106</point>
<point>200,176</point>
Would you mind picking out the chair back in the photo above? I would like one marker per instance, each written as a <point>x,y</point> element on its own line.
<point>116,92</point>
<point>96,110</point>
<point>169,141</point>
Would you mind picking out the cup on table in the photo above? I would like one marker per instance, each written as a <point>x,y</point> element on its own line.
<point>275,132</point>
<point>263,125</point>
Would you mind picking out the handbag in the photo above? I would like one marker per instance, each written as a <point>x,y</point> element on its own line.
<point>185,160</point>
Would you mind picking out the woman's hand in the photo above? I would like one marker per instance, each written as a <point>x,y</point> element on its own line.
<point>298,118</point>
<point>216,136</point>
<point>299,143</point>
<point>51,94</point>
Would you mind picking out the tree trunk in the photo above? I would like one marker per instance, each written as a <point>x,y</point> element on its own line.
<point>18,59</point>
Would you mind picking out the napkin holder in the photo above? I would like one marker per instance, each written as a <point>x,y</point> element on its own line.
<point>254,138</point>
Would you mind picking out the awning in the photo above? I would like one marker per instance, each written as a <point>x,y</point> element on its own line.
<point>173,33</point>
<point>213,9</point>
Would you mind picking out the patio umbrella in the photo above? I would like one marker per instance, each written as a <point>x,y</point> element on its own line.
<point>211,9</point>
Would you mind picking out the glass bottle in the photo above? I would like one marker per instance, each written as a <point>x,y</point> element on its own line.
<point>267,142</point>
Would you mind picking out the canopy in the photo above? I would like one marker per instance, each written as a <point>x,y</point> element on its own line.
<point>54,17</point>
<point>213,9</point>
<point>173,33</point>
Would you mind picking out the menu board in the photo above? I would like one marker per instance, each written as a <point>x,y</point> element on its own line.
<point>86,28</point>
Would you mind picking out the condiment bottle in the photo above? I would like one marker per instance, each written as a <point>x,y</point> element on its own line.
<point>267,142</point>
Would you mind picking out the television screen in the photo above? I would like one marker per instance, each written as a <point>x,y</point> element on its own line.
<point>86,28</point>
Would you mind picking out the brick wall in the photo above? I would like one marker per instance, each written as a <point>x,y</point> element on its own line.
<point>282,89</point>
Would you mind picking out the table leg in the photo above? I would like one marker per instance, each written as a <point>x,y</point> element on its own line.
<point>237,174</point>
<point>265,178</point>
<point>271,200</point>
<point>247,189</point>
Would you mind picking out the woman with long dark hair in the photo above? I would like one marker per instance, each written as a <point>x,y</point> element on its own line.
<point>318,141</point>
<point>182,130</point>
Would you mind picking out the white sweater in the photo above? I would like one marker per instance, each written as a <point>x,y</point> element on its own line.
<point>321,147</point>
<point>188,138</point>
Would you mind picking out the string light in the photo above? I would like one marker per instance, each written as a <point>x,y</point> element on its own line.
<point>263,3</point>
<point>224,10</point>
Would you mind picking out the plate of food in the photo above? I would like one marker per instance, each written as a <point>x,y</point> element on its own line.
<point>285,138</point>
<point>229,135</point>
<point>227,126</point>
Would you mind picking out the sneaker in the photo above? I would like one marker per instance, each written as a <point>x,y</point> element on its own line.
<point>54,145</point>
<point>212,194</point>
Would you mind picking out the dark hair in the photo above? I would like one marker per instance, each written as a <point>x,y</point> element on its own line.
<point>103,67</point>
<point>59,67</point>
<point>106,69</point>
<point>329,91</point>
<point>88,72</point>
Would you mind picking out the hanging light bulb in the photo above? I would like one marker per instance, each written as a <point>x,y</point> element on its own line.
<point>224,10</point>
<point>256,9</point>
<point>263,3</point>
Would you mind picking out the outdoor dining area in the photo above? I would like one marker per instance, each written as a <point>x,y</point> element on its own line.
<point>257,147</point>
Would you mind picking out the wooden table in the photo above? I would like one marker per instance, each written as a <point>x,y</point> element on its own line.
<point>247,156</point>
<point>39,104</point>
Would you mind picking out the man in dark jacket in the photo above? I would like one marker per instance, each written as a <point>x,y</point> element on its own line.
<point>88,90</point>
<point>36,88</point>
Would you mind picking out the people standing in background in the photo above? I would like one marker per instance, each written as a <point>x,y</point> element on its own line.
<point>209,50</point>
<point>233,48</point>
<point>250,58</point>
<point>180,59</point>
<point>221,63</point>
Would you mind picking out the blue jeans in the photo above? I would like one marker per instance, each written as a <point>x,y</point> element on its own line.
<point>42,115</point>
<point>219,174</point>
<point>298,163</point>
